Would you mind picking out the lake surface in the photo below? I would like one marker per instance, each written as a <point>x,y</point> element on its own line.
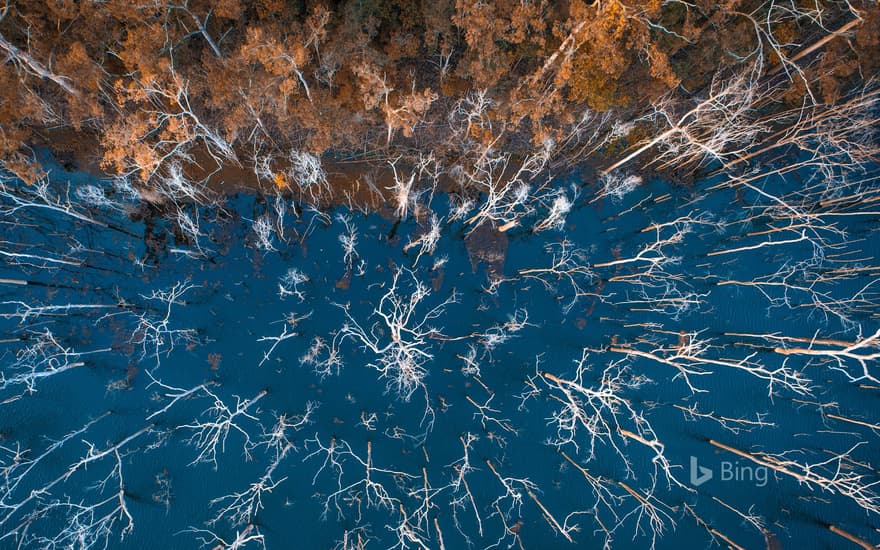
<point>163,383</point>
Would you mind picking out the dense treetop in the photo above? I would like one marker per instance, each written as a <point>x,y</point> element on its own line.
<point>145,84</point>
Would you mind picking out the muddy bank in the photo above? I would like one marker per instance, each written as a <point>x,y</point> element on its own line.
<point>352,180</point>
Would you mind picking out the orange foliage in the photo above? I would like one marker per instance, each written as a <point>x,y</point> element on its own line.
<point>315,75</point>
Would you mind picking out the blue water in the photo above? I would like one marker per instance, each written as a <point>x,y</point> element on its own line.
<point>233,301</point>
